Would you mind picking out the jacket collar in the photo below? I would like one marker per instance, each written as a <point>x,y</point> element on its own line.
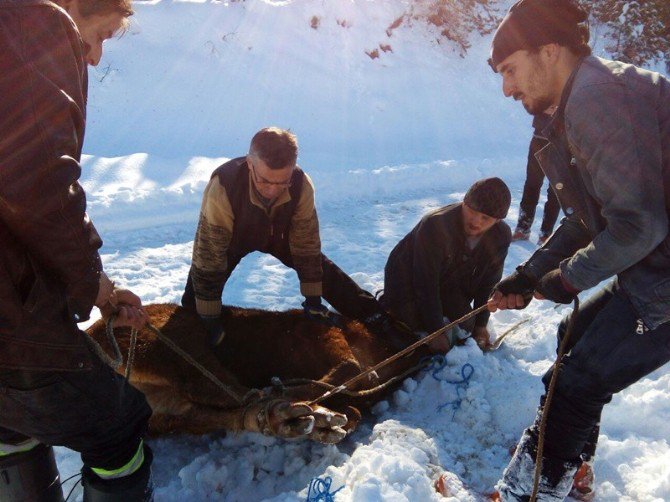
<point>555,125</point>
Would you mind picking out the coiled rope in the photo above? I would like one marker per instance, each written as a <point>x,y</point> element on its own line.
<point>319,490</point>
<point>438,363</point>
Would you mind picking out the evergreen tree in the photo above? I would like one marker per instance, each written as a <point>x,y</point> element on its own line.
<point>635,32</point>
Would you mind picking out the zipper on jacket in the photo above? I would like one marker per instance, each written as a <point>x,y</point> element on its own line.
<point>641,328</point>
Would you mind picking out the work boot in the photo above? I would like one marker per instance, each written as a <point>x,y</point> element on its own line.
<point>518,479</point>
<point>520,235</point>
<point>137,487</point>
<point>30,476</point>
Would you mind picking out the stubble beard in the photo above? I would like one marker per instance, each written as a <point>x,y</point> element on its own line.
<point>538,84</point>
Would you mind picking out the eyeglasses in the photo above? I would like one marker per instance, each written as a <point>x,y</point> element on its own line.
<point>262,181</point>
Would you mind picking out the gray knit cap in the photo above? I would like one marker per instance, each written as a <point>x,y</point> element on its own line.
<point>489,196</point>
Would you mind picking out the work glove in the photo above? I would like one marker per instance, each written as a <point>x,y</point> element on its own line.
<point>517,283</point>
<point>214,328</point>
<point>553,286</point>
<point>315,311</point>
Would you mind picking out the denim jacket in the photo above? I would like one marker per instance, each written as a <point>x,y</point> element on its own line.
<point>608,159</point>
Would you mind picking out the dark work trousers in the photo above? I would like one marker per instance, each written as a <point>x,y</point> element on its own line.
<point>339,289</point>
<point>94,412</point>
<point>531,195</point>
<point>609,349</point>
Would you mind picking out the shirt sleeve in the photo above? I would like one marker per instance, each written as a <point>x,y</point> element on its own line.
<point>209,268</point>
<point>427,266</point>
<point>491,276</point>
<point>569,237</point>
<point>305,242</point>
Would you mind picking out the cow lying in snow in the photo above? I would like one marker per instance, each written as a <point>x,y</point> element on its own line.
<point>308,357</point>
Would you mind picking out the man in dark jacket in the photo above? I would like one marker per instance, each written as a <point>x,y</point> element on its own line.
<point>532,187</point>
<point>265,202</point>
<point>454,256</point>
<point>53,390</point>
<point>608,158</point>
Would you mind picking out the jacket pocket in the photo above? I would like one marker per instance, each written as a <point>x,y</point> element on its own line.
<point>662,291</point>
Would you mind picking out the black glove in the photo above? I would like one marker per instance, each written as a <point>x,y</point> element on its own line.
<point>517,283</point>
<point>316,311</point>
<point>555,288</point>
<point>214,328</point>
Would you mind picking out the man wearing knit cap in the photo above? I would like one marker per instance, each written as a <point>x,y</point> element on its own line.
<point>608,159</point>
<point>451,258</point>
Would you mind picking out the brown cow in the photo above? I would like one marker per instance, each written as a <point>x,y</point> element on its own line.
<point>308,357</point>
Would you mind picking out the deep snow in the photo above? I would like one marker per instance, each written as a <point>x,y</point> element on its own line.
<point>384,140</point>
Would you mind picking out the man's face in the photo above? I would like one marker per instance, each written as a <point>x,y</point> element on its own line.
<point>270,183</point>
<point>476,223</point>
<point>94,29</point>
<point>526,77</point>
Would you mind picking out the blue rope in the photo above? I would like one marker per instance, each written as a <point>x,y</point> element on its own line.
<point>438,363</point>
<point>319,490</point>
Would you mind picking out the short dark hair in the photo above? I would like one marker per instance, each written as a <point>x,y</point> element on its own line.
<point>102,7</point>
<point>278,148</point>
<point>578,48</point>
<point>582,49</point>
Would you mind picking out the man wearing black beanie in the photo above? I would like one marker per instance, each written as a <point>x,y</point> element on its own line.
<point>608,160</point>
<point>452,258</point>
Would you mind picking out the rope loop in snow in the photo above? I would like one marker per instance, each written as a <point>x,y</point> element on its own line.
<point>467,370</point>
<point>319,490</point>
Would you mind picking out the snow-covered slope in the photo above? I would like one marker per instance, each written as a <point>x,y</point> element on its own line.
<point>385,140</point>
<point>201,78</point>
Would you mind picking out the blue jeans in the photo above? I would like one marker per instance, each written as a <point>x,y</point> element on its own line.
<point>609,349</point>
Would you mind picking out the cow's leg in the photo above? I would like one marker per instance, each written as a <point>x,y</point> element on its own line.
<point>342,372</point>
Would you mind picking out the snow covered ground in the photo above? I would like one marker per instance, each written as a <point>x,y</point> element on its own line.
<point>385,140</point>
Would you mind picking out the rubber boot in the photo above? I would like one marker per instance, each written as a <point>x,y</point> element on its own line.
<point>136,487</point>
<point>30,476</point>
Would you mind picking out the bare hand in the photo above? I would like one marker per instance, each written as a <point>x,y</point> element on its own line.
<point>481,335</point>
<point>128,309</point>
<point>439,345</point>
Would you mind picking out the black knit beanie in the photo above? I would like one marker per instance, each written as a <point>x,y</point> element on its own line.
<point>533,23</point>
<point>489,196</point>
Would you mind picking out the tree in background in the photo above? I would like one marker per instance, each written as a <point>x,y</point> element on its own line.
<point>635,32</point>
<point>455,20</point>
